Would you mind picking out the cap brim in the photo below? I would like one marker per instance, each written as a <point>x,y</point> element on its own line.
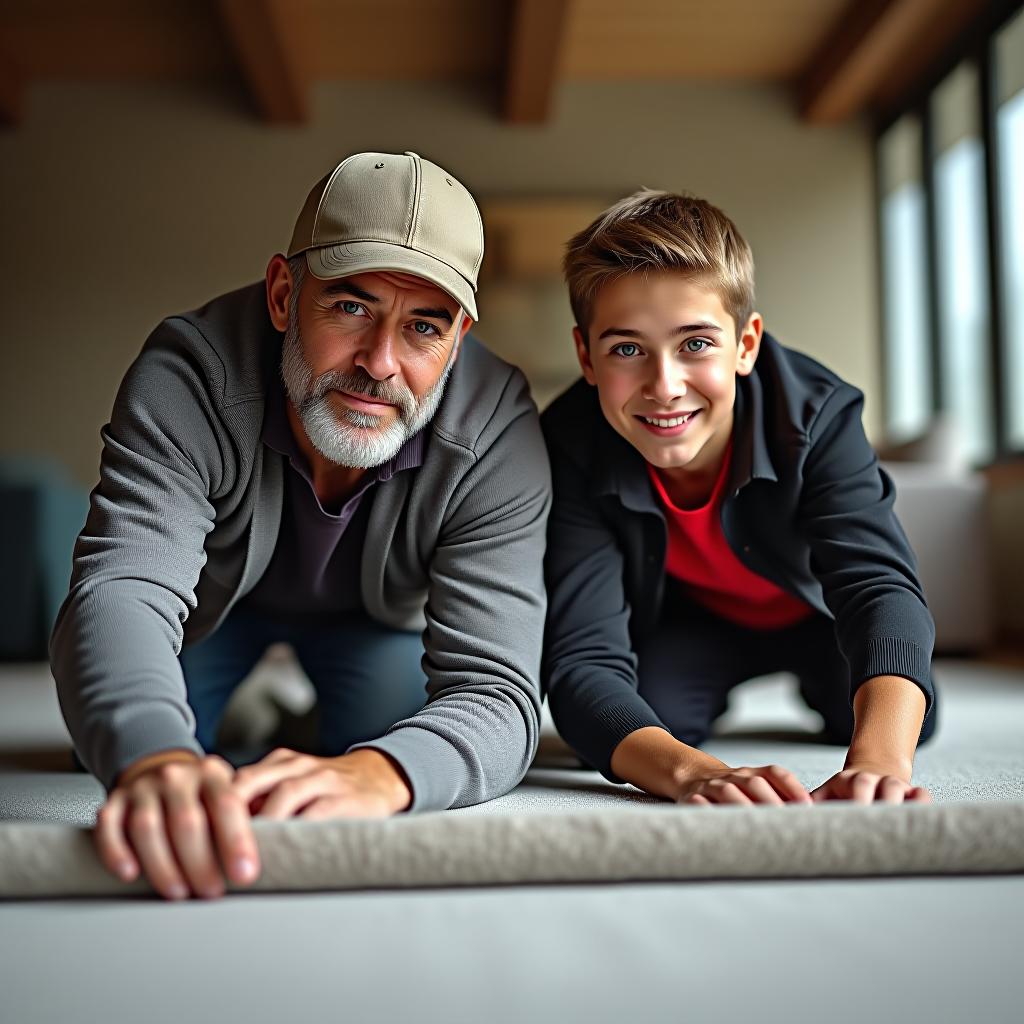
<point>359,257</point>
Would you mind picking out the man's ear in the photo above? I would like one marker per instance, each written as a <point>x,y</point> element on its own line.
<point>748,341</point>
<point>583,355</point>
<point>279,290</point>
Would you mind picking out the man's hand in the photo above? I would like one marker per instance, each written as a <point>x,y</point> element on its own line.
<point>771,784</point>
<point>868,784</point>
<point>286,784</point>
<point>181,824</point>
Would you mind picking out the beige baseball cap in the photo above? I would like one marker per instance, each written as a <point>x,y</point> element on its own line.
<point>382,211</point>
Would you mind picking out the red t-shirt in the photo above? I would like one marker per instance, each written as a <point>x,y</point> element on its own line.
<point>700,556</point>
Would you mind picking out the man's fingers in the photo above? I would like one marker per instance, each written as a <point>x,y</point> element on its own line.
<point>189,831</point>
<point>277,755</point>
<point>696,798</point>
<point>147,831</point>
<point>291,795</point>
<point>232,830</point>
<point>339,807</point>
<point>113,849</point>
<point>918,795</point>
<point>265,775</point>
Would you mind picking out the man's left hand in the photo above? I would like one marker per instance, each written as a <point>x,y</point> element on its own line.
<point>287,784</point>
<point>865,786</point>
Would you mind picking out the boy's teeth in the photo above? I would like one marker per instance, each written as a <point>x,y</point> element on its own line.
<point>675,421</point>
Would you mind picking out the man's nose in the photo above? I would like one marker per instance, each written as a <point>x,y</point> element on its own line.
<point>376,353</point>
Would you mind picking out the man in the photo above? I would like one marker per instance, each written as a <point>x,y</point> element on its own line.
<point>325,459</point>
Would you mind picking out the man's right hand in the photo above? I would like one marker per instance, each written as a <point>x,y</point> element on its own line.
<point>176,819</point>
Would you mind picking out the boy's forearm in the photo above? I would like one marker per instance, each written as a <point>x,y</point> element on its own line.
<point>654,760</point>
<point>888,713</point>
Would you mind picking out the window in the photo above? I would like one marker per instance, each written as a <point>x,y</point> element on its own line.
<point>951,230</point>
<point>1009,76</point>
<point>904,282</point>
<point>961,254</point>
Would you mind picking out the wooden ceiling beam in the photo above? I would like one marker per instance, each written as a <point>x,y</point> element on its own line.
<point>876,51</point>
<point>268,46</point>
<point>536,42</point>
<point>12,91</point>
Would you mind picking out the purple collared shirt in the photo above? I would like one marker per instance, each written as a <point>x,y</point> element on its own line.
<point>314,571</point>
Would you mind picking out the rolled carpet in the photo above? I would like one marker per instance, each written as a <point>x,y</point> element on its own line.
<point>659,843</point>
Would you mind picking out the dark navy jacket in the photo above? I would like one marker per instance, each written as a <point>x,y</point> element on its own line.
<point>807,506</point>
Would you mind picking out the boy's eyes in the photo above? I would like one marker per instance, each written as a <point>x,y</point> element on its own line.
<point>626,349</point>
<point>629,350</point>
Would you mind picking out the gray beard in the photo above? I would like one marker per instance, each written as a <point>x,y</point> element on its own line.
<point>350,438</point>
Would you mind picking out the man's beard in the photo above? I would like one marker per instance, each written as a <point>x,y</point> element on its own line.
<point>347,437</point>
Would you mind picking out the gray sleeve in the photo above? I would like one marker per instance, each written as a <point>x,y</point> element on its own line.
<point>136,563</point>
<point>479,731</point>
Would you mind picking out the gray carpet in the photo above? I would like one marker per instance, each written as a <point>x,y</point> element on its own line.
<point>977,754</point>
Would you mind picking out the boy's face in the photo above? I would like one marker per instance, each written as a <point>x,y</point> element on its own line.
<point>664,356</point>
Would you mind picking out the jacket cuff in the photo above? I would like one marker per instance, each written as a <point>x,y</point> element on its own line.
<point>893,656</point>
<point>152,731</point>
<point>612,722</point>
<point>436,772</point>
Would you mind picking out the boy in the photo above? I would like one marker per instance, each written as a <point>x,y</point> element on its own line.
<point>718,514</point>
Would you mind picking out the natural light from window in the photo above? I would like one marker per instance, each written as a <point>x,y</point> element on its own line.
<point>905,285</point>
<point>961,236</point>
<point>1010,130</point>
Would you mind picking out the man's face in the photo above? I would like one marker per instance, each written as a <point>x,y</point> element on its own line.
<point>664,356</point>
<point>365,361</point>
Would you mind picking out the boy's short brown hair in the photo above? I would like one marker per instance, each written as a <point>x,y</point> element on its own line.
<point>653,231</point>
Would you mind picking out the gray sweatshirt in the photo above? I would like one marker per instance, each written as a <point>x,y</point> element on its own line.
<point>184,521</point>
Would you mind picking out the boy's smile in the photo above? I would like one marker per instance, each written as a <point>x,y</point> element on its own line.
<point>664,356</point>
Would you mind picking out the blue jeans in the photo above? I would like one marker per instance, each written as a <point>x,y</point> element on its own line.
<point>366,676</point>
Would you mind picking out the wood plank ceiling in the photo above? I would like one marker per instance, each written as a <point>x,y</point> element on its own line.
<point>840,57</point>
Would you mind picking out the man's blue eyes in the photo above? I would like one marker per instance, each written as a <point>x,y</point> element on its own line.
<point>627,350</point>
<point>421,327</point>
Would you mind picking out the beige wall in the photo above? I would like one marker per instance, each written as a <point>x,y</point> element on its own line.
<point>123,204</point>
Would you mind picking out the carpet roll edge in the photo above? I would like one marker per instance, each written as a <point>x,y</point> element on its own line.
<point>39,860</point>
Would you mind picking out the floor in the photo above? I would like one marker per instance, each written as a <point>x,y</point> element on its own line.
<point>884,949</point>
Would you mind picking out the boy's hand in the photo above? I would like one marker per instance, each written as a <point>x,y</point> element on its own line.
<point>771,784</point>
<point>867,785</point>
<point>285,784</point>
<point>178,822</point>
